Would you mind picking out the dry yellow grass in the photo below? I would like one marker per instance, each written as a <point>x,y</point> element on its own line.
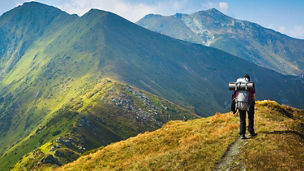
<point>199,144</point>
<point>191,145</point>
<point>280,142</point>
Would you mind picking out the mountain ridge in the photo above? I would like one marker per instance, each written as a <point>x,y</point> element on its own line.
<point>109,112</point>
<point>58,71</point>
<point>201,144</point>
<point>41,20</point>
<point>247,40</point>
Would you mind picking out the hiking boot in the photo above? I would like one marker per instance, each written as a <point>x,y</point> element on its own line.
<point>253,134</point>
<point>243,136</point>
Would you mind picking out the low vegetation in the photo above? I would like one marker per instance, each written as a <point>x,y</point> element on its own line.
<point>280,143</point>
<point>199,144</point>
<point>192,145</point>
<point>110,112</point>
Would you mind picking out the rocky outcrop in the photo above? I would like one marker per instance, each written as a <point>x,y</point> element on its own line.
<point>49,159</point>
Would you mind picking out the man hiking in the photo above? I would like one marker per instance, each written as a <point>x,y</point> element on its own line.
<point>244,98</point>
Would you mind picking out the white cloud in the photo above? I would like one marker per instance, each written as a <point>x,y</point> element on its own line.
<point>223,6</point>
<point>297,31</point>
<point>124,8</point>
<point>120,7</point>
<point>177,5</point>
<point>270,26</point>
<point>209,5</point>
<point>282,29</point>
<point>133,11</point>
<point>20,2</point>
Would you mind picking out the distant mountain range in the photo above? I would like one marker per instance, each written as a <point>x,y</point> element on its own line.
<point>71,84</point>
<point>247,40</point>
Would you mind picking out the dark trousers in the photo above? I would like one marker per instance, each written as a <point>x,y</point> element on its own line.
<point>250,120</point>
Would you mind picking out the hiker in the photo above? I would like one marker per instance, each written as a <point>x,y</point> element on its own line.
<point>244,101</point>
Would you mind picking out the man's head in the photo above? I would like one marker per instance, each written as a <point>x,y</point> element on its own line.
<point>247,76</point>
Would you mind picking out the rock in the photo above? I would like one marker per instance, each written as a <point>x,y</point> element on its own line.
<point>51,160</point>
<point>59,140</point>
<point>52,149</point>
<point>59,154</point>
<point>68,144</point>
<point>81,148</point>
<point>85,122</point>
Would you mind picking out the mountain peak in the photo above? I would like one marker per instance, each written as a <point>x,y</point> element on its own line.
<point>34,8</point>
<point>96,12</point>
<point>31,3</point>
<point>241,38</point>
<point>101,16</point>
<point>37,5</point>
<point>212,11</point>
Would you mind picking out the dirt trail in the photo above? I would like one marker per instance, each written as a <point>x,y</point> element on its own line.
<point>226,163</point>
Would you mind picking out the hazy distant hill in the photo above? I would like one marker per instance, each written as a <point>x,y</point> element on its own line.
<point>53,63</point>
<point>250,41</point>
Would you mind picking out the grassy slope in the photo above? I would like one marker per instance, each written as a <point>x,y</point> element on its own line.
<point>199,144</point>
<point>279,145</point>
<point>63,65</point>
<point>24,102</point>
<point>109,112</point>
<point>68,63</point>
<point>21,28</point>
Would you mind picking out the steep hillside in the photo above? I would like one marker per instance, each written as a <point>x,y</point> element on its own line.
<point>202,144</point>
<point>103,44</point>
<point>22,26</point>
<point>252,42</point>
<point>70,57</point>
<point>107,113</point>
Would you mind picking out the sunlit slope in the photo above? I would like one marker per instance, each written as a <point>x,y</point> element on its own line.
<point>22,26</point>
<point>69,58</point>
<point>24,101</point>
<point>199,144</point>
<point>107,113</point>
<point>279,145</point>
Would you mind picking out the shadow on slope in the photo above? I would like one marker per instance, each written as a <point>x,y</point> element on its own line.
<point>108,113</point>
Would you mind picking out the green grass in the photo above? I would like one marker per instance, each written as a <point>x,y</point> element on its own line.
<point>67,58</point>
<point>42,136</point>
<point>198,144</point>
<point>108,123</point>
<point>178,145</point>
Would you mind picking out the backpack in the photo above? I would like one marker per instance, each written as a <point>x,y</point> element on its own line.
<point>242,96</point>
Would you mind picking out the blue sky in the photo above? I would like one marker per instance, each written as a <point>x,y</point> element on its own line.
<point>285,16</point>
